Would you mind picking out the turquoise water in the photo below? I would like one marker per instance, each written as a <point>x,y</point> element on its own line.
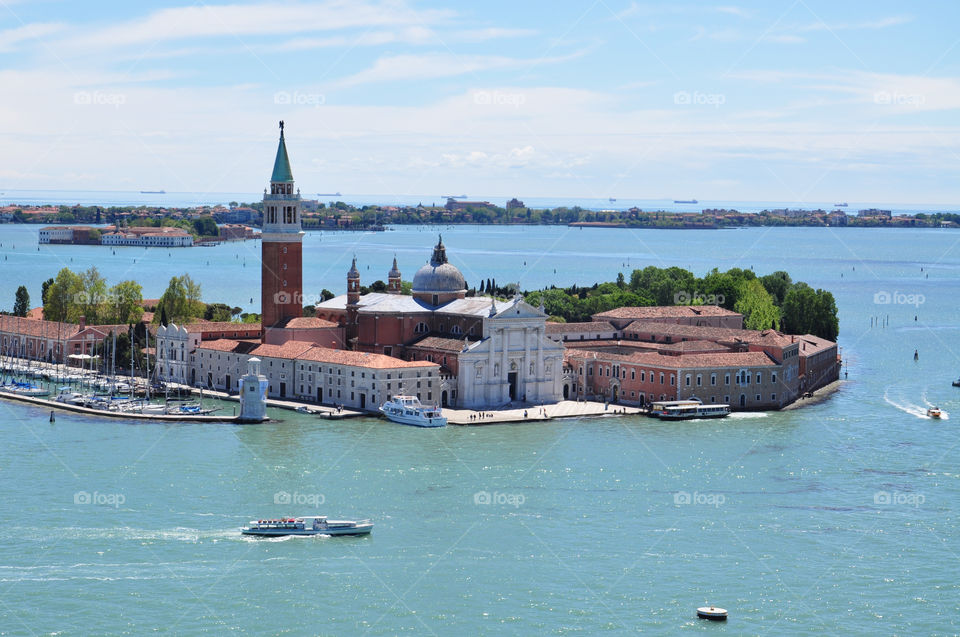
<point>835,518</point>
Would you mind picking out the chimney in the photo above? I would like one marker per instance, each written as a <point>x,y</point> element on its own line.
<point>83,322</point>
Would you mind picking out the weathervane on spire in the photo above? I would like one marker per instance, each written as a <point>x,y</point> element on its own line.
<point>281,127</point>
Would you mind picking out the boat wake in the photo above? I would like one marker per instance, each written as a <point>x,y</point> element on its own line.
<point>742,415</point>
<point>911,408</point>
<point>943,414</point>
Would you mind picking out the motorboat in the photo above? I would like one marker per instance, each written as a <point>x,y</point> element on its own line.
<point>407,410</point>
<point>307,525</point>
<point>934,412</point>
<point>956,383</point>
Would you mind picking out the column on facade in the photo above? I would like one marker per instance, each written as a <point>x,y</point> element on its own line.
<point>527,386</point>
<point>504,342</point>
<point>489,383</point>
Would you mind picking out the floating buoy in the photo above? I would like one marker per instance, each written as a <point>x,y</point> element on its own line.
<point>712,612</point>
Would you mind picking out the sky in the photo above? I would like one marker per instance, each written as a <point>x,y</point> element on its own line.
<point>802,100</point>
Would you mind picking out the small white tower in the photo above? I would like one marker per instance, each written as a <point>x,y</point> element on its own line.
<point>253,393</point>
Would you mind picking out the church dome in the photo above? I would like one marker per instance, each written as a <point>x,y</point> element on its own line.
<point>438,276</point>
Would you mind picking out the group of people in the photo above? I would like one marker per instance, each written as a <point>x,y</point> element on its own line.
<point>481,415</point>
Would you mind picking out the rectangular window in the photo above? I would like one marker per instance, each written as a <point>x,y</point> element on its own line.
<point>773,377</point>
<point>633,374</point>
<point>688,380</point>
<point>759,376</point>
<point>661,378</point>
<point>773,397</point>
<point>726,379</point>
<point>713,379</point>
<point>699,380</point>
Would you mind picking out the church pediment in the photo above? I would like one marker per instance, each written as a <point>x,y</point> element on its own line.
<point>517,309</point>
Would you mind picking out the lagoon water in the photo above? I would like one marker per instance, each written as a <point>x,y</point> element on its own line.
<point>835,518</point>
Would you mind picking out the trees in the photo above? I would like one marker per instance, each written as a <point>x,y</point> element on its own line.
<point>91,302</point>
<point>777,284</point>
<point>21,304</point>
<point>180,302</point>
<point>757,307</point>
<point>125,303</point>
<point>205,227</point>
<point>809,311</point>
<point>61,296</point>
<point>43,291</point>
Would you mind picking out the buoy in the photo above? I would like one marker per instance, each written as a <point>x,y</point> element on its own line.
<point>712,612</point>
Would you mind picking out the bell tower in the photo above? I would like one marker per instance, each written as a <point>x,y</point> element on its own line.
<point>281,279</point>
<point>353,301</point>
<point>394,279</point>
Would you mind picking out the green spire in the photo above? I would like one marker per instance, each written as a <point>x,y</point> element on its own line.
<point>281,166</point>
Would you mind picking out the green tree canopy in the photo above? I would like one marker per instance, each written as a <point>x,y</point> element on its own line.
<point>21,304</point>
<point>757,307</point>
<point>181,302</point>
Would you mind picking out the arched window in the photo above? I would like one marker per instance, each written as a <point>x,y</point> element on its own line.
<point>421,328</point>
<point>456,330</point>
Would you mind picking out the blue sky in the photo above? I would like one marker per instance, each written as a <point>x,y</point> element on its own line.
<point>796,101</point>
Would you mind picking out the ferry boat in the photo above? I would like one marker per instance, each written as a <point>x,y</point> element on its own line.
<point>956,383</point>
<point>934,412</point>
<point>842,204</point>
<point>687,409</point>
<point>685,201</point>
<point>307,525</point>
<point>407,410</point>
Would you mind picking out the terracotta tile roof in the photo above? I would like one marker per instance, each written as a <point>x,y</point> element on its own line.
<point>445,343</point>
<point>685,361</point>
<point>361,359</point>
<point>692,347</point>
<point>230,345</point>
<point>37,328</point>
<point>702,333</point>
<point>729,359</point>
<point>306,322</point>
<point>810,344</point>
<point>665,311</point>
<point>290,349</point>
<point>588,326</point>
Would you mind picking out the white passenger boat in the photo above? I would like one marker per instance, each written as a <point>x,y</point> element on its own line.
<point>687,409</point>
<point>407,410</point>
<point>307,525</point>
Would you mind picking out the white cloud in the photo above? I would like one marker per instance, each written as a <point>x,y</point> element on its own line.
<point>10,38</point>
<point>880,23</point>
<point>239,21</point>
<point>437,65</point>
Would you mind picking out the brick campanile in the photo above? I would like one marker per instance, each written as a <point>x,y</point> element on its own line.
<point>281,278</point>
